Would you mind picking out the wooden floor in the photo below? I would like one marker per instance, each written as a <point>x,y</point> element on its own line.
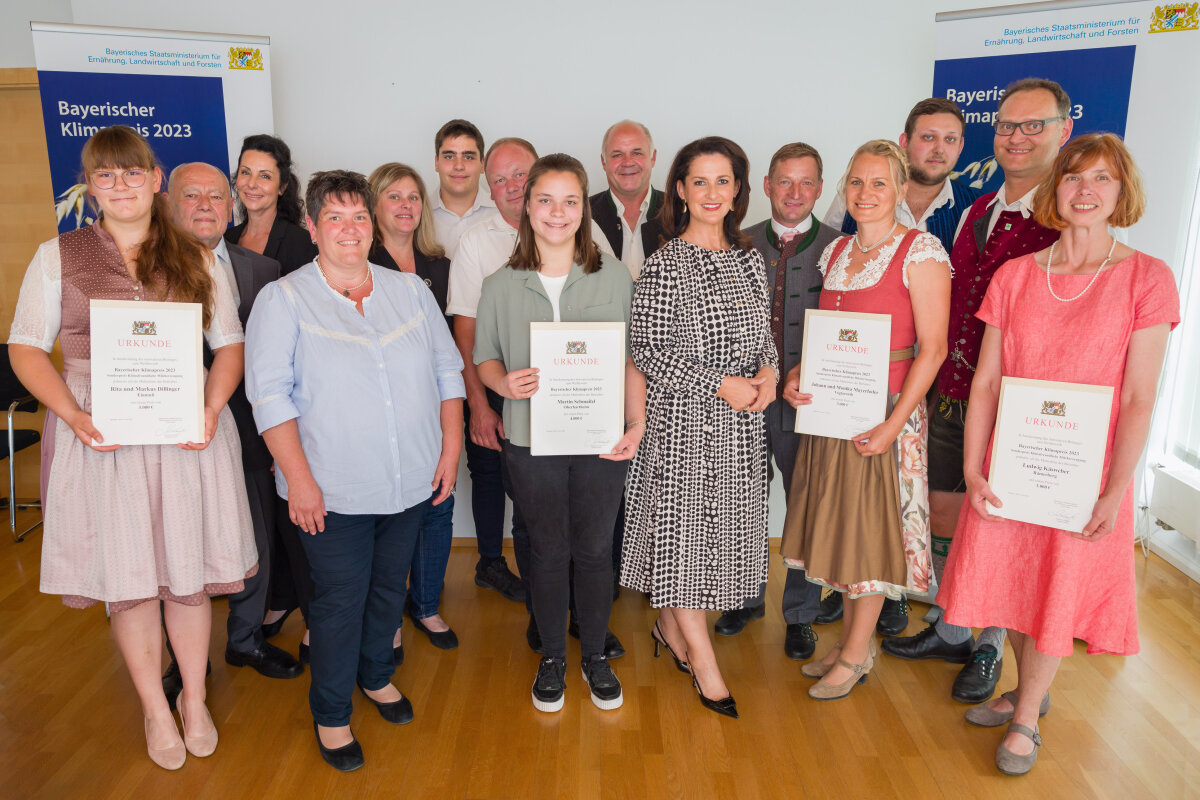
<point>1119,727</point>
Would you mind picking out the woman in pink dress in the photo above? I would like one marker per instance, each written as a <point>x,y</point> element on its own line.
<point>1090,310</point>
<point>131,525</point>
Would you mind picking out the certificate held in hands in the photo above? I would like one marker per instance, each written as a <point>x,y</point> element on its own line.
<point>1048,451</point>
<point>844,367</point>
<point>147,372</point>
<point>579,406</point>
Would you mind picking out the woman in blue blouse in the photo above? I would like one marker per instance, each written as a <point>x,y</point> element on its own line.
<point>357,389</point>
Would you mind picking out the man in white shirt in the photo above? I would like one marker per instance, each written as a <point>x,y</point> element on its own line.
<point>933,141</point>
<point>627,212</point>
<point>1032,123</point>
<point>458,204</point>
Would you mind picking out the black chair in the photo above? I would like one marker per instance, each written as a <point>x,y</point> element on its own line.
<point>18,399</point>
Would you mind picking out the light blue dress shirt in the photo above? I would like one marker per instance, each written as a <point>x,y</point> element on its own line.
<point>365,389</point>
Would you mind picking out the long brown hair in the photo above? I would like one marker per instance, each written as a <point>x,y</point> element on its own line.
<point>525,255</point>
<point>674,218</point>
<point>424,237</point>
<point>169,253</point>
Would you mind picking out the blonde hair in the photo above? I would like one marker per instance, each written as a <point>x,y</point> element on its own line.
<point>897,161</point>
<point>424,237</point>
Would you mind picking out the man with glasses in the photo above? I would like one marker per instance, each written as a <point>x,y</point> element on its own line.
<point>1032,122</point>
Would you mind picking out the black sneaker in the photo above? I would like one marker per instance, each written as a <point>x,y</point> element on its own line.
<point>606,689</point>
<point>550,683</point>
<point>496,575</point>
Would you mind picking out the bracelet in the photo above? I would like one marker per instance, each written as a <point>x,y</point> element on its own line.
<point>641,422</point>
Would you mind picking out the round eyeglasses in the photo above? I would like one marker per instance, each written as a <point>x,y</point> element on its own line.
<point>107,178</point>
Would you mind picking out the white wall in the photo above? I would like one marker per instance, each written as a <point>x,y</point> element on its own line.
<point>359,83</point>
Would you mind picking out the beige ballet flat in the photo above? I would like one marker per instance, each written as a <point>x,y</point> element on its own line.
<point>170,757</point>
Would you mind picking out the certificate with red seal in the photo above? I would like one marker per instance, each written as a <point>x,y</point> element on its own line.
<point>1048,451</point>
<point>844,367</point>
<point>147,372</point>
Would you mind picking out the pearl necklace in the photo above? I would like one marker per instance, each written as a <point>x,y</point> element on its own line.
<point>1096,274</point>
<point>343,289</point>
<point>887,236</point>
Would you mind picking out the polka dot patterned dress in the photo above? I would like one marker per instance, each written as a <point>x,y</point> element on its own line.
<point>696,502</point>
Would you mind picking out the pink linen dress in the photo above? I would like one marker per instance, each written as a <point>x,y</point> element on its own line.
<point>1043,581</point>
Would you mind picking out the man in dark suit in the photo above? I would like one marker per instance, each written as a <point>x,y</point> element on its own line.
<point>200,202</point>
<point>791,243</point>
<point>627,211</point>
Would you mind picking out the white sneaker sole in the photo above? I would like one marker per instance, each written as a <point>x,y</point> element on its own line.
<point>549,706</point>
<point>603,705</point>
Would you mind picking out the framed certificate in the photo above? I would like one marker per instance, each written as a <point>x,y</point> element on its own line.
<point>1048,451</point>
<point>844,366</point>
<point>579,407</point>
<point>147,372</point>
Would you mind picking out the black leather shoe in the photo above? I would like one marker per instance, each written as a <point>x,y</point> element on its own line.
<point>172,682</point>
<point>799,642</point>
<point>612,645</point>
<point>726,706</point>
<point>346,758</point>
<point>733,622</point>
<point>831,609</point>
<point>976,682</point>
<point>496,575</point>
<point>267,660</point>
<point>397,712</point>
<point>534,638</point>
<point>398,654</point>
<point>927,644</point>
<point>893,619</point>
<point>443,640</point>
<point>302,656</point>
<point>270,629</point>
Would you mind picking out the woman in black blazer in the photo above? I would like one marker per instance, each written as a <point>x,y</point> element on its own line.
<point>404,240</point>
<point>268,197</point>
<point>268,200</point>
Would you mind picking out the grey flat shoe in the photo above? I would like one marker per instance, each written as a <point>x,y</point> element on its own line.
<point>986,717</point>
<point>1009,762</point>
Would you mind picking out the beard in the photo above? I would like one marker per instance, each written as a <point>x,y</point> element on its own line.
<point>926,178</point>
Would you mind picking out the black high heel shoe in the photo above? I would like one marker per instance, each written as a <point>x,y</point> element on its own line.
<point>270,629</point>
<point>655,633</point>
<point>726,705</point>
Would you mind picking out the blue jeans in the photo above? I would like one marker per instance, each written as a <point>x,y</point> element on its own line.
<point>359,565</point>
<point>430,558</point>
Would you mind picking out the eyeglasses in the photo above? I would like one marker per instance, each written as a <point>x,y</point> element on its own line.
<point>107,178</point>
<point>1030,127</point>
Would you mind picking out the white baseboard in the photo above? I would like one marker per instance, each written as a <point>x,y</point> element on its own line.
<point>1178,551</point>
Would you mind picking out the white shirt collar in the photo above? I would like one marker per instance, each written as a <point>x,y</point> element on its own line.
<point>482,200</point>
<point>621,206</point>
<point>804,227</point>
<point>499,223</point>
<point>222,252</point>
<point>1024,204</point>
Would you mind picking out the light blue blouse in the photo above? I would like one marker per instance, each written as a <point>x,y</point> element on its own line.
<point>365,389</point>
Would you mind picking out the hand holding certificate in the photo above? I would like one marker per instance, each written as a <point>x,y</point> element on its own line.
<point>147,372</point>
<point>845,368</point>
<point>579,369</point>
<point>1048,451</point>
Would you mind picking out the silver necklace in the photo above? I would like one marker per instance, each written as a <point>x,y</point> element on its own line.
<point>1096,274</point>
<point>887,236</point>
<point>343,289</point>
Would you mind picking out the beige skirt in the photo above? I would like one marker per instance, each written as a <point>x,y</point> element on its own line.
<point>861,525</point>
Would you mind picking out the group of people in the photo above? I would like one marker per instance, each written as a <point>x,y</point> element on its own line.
<point>373,310</point>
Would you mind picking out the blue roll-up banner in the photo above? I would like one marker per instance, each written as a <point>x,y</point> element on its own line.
<point>1128,68</point>
<point>194,96</point>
